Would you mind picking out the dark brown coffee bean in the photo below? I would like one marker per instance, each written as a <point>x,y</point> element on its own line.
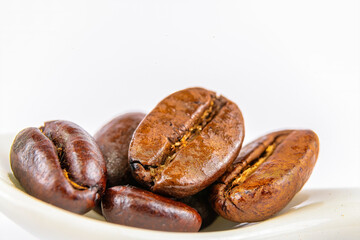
<point>113,140</point>
<point>59,164</point>
<point>265,177</point>
<point>200,202</point>
<point>135,207</point>
<point>186,142</point>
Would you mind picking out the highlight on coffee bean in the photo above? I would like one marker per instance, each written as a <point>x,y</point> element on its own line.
<point>60,163</point>
<point>186,142</point>
<point>266,175</point>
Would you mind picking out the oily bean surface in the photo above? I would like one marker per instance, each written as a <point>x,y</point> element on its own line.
<point>186,142</point>
<point>59,164</point>
<point>136,207</point>
<point>113,140</point>
<point>265,177</point>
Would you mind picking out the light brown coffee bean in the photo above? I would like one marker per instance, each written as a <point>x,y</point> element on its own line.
<point>265,177</point>
<point>186,142</point>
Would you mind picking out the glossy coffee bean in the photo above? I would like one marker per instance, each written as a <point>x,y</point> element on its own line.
<point>113,140</point>
<point>60,164</point>
<point>265,177</point>
<point>135,207</point>
<point>186,142</point>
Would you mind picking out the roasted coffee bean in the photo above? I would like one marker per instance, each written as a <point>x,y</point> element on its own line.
<point>186,142</point>
<point>60,164</point>
<point>265,177</point>
<point>200,202</point>
<point>113,140</point>
<point>135,207</point>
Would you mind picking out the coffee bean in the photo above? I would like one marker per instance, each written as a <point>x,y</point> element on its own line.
<point>265,177</point>
<point>186,142</point>
<point>113,140</point>
<point>136,207</point>
<point>60,164</point>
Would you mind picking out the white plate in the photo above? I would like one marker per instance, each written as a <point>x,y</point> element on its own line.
<point>312,214</point>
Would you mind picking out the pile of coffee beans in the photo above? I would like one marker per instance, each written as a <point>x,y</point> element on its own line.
<point>174,169</point>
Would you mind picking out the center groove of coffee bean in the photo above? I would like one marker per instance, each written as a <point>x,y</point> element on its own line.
<point>209,114</point>
<point>251,167</point>
<point>64,165</point>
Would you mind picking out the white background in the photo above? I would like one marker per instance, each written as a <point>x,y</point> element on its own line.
<point>287,64</point>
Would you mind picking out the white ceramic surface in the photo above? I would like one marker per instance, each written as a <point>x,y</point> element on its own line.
<point>312,214</point>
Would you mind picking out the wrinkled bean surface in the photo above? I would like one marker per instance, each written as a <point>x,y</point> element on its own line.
<point>60,164</point>
<point>265,177</point>
<point>186,142</point>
